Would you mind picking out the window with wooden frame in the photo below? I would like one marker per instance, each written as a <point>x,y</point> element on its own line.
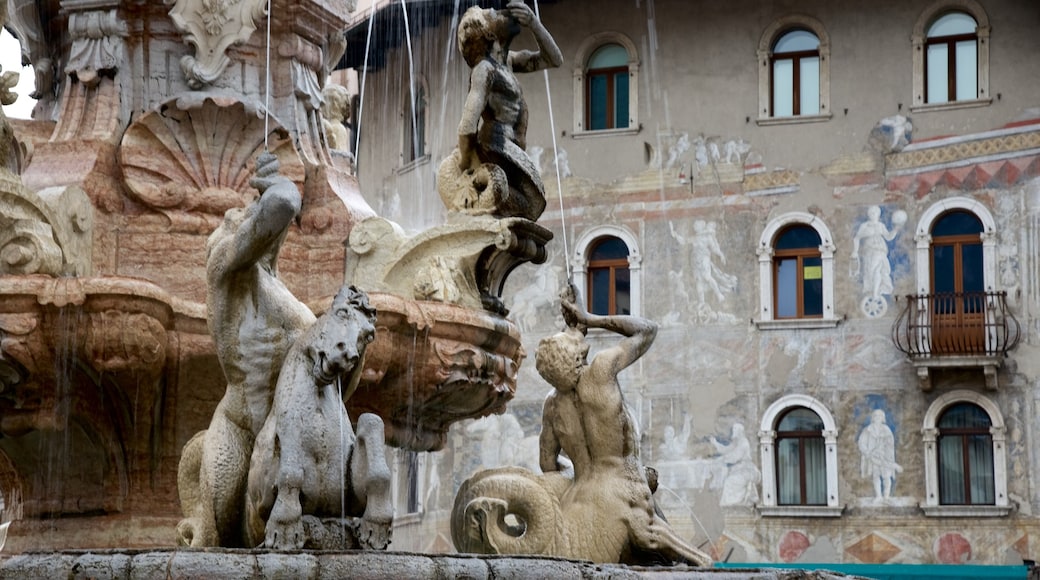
<point>965,456</point>
<point>606,88</point>
<point>609,282</point>
<point>795,74</point>
<point>958,283</point>
<point>797,273</point>
<point>951,59</point>
<point>801,460</point>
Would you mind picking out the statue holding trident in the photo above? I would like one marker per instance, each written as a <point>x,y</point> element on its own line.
<point>490,172</point>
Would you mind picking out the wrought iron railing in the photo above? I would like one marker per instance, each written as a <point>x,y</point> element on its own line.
<point>956,325</point>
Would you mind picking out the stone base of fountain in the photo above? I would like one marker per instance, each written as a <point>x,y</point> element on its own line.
<point>359,565</point>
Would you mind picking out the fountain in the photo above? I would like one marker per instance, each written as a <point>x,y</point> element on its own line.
<point>156,115</point>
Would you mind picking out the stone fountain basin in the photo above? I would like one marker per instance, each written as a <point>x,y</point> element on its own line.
<point>432,364</point>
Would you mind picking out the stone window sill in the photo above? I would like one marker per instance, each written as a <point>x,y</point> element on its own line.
<point>966,511</point>
<point>800,511</point>
<point>793,120</point>
<point>605,133</point>
<point>951,105</point>
<point>797,323</point>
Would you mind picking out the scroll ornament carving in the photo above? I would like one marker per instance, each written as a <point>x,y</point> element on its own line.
<point>97,45</point>
<point>212,26</point>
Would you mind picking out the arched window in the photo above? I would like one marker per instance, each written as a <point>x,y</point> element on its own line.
<point>958,282</point>
<point>606,78</point>
<point>951,55</point>
<point>965,457</point>
<point>796,272</point>
<point>794,71</point>
<point>951,59</point>
<point>798,444</point>
<point>414,138</point>
<point>609,282</point>
<point>606,269</point>
<point>606,88</point>
<point>801,469</point>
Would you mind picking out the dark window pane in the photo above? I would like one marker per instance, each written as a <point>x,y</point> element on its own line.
<point>971,267</point>
<point>621,100</point>
<point>622,291</point>
<point>800,419</point>
<point>943,268</point>
<point>980,468</point>
<point>964,416</point>
<point>787,288</point>
<point>599,301</point>
<point>597,102</point>
<point>812,286</point>
<point>957,223</point>
<point>609,248</point>
<point>797,237</point>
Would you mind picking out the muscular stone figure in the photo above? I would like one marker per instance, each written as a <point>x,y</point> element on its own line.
<point>493,129</point>
<point>607,513</point>
<point>254,320</point>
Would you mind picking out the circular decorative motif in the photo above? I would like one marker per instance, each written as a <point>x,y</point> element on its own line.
<point>874,307</point>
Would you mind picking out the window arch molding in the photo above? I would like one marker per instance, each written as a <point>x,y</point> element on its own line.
<point>923,238</point>
<point>767,453</point>
<point>767,319</point>
<point>585,50</point>
<point>580,261</point>
<point>765,47</point>
<point>920,36</point>
<point>930,433</point>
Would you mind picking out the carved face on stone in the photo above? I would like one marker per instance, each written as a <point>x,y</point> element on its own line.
<point>560,359</point>
<point>341,336</point>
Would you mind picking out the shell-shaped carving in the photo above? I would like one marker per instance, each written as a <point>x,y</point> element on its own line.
<point>199,155</point>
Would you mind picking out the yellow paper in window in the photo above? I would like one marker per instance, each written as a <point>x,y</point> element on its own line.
<point>812,273</point>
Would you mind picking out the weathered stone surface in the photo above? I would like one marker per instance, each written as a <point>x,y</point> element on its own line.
<point>254,565</point>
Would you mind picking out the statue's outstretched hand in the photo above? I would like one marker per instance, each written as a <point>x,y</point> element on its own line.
<point>521,13</point>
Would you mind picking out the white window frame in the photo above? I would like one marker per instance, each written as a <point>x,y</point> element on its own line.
<point>765,47</point>
<point>580,263</point>
<point>920,35</point>
<point>930,433</point>
<point>766,319</point>
<point>588,46</point>
<point>766,444</point>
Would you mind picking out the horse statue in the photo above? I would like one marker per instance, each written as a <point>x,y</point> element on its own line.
<point>312,482</point>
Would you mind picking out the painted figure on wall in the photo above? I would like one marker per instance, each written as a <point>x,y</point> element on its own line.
<point>870,259</point>
<point>708,276</point>
<point>674,445</point>
<point>878,459</point>
<point>740,486</point>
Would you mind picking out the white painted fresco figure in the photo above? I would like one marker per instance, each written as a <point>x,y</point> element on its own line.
<point>740,486</point>
<point>870,259</point>
<point>878,459</point>
<point>708,276</point>
<point>674,445</point>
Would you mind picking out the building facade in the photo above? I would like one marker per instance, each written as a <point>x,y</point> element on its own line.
<point>832,210</point>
